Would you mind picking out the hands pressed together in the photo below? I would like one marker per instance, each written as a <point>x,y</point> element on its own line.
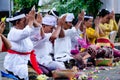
<point>2,27</point>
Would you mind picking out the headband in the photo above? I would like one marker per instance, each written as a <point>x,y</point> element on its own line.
<point>88,17</point>
<point>54,14</point>
<point>15,18</point>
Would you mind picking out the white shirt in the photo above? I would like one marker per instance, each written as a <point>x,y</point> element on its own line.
<point>43,48</point>
<point>62,46</point>
<point>74,39</point>
<point>20,39</point>
<point>21,42</point>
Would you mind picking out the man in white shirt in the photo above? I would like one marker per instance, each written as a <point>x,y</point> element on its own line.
<point>62,46</point>
<point>21,52</point>
<point>44,45</point>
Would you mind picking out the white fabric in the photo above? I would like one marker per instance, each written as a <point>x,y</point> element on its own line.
<point>36,35</point>
<point>53,13</point>
<point>88,17</point>
<point>43,48</point>
<point>20,41</point>
<point>74,39</point>
<point>17,64</point>
<point>62,46</point>
<point>43,2</point>
<point>113,36</point>
<point>69,17</point>
<point>15,18</point>
<point>49,20</point>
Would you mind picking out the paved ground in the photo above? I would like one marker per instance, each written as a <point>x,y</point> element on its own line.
<point>2,55</point>
<point>112,74</point>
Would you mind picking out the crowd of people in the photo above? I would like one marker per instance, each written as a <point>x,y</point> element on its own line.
<point>38,44</point>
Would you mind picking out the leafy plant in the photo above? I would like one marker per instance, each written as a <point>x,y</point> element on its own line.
<point>75,6</point>
<point>63,6</point>
<point>93,6</point>
<point>18,4</point>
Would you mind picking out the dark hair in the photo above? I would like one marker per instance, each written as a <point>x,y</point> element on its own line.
<point>55,12</point>
<point>103,13</point>
<point>87,18</point>
<point>74,22</point>
<point>27,10</point>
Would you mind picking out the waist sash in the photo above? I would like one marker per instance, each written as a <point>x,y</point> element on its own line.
<point>32,59</point>
<point>3,47</point>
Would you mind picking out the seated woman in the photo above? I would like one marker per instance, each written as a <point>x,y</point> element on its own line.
<point>107,24</point>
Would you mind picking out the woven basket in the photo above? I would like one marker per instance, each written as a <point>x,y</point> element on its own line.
<point>63,73</point>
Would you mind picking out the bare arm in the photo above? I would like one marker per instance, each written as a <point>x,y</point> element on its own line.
<point>0,44</point>
<point>80,20</point>
<point>97,27</point>
<point>6,42</point>
<point>55,34</point>
<point>38,23</point>
<point>31,18</point>
<point>59,32</point>
<point>38,20</point>
<point>84,31</point>
<point>3,39</point>
<point>62,33</point>
<point>42,33</point>
<point>2,27</point>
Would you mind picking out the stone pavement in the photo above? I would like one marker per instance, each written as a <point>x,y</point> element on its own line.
<point>112,74</point>
<point>108,73</point>
<point>2,56</point>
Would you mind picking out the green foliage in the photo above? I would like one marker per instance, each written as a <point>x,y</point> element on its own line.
<point>93,6</point>
<point>75,6</point>
<point>18,4</point>
<point>63,6</point>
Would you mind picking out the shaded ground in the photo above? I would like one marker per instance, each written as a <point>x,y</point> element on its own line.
<point>112,73</point>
